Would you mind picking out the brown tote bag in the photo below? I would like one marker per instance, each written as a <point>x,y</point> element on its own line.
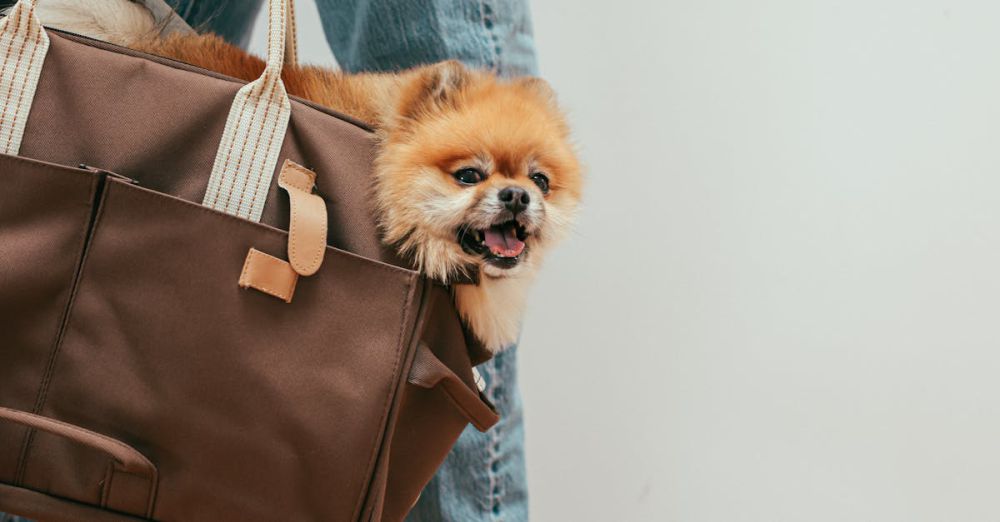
<point>167,350</point>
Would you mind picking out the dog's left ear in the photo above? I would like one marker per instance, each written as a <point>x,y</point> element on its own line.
<point>433,88</point>
<point>539,87</point>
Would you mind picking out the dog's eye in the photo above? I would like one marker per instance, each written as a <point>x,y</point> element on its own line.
<point>469,176</point>
<point>542,181</point>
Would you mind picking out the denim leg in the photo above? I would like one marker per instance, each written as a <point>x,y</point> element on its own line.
<point>483,478</point>
<point>230,19</point>
<point>389,35</point>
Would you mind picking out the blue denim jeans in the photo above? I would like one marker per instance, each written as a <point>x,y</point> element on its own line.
<point>483,478</point>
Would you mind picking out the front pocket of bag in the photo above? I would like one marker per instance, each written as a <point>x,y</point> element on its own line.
<point>45,212</point>
<point>247,405</point>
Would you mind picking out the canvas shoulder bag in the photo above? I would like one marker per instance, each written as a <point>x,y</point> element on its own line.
<point>197,318</point>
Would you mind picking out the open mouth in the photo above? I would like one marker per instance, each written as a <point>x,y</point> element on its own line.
<point>501,245</point>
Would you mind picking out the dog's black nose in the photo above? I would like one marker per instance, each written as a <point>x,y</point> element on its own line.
<point>516,199</point>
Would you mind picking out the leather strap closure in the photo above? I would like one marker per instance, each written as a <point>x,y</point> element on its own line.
<point>307,232</point>
<point>308,227</point>
<point>269,274</point>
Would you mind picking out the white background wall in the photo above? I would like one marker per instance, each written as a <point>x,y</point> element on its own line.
<point>783,301</point>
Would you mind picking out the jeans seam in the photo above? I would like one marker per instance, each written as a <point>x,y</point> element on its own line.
<point>493,452</point>
<point>486,18</point>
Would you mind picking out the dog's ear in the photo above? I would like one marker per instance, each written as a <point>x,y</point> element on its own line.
<point>443,81</point>
<point>432,88</point>
<point>539,87</point>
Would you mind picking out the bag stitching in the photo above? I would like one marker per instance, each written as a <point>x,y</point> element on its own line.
<point>39,40</point>
<point>185,67</point>
<point>274,129</point>
<point>233,175</point>
<point>383,419</point>
<point>6,62</point>
<point>97,197</point>
<point>245,278</point>
<point>254,135</point>
<point>17,64</point>
<point>270,141</point>
<point>229,153</point>
<point>380,265</point>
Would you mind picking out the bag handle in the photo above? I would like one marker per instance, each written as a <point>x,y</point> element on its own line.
<point>127,466</point>
<point>429,372</point>
<point>23,45</point>
<point>255,129</point>
<point>291,36</point>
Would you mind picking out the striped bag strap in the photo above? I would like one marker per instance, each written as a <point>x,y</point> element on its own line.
<point>23,45</point>
<point>255,129</point>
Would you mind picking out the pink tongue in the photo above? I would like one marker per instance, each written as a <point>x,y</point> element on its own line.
<point>503,241</point>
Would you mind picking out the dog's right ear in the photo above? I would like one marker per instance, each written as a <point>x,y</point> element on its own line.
<point>432,88</point>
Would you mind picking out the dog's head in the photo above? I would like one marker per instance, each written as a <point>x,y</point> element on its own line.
<point>475,174</point>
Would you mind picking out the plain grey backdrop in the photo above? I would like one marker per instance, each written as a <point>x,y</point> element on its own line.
<point>782,302</point>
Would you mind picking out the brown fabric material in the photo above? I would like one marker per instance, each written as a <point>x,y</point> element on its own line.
<point>120,314</point>
<point>268,274</point>
<point>40,507</point>
<point>130,483</point>
<point>429,373</point>
<point>307,229</point>
<point>44,214</point>
<point>154,121</point>
<point>127,459</point>
<point>424,412</point>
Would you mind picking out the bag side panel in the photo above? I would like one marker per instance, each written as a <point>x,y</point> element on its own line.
<point>428,423</point>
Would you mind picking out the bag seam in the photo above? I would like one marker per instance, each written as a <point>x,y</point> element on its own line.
<point>182,66</point>
<point>381,265</point>
<point>98,196</point>
<point>383,426</point>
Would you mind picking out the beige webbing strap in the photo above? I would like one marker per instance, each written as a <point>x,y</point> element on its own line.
<point>291,38</point>
<point>23,44</point>
<point>255,129</point>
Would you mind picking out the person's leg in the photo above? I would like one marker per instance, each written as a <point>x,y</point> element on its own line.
<point>386,35</point>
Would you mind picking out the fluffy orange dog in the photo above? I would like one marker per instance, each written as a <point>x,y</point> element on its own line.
<point>473,173</point>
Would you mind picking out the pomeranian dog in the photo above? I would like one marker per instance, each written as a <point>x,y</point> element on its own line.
<point>474,175</point>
